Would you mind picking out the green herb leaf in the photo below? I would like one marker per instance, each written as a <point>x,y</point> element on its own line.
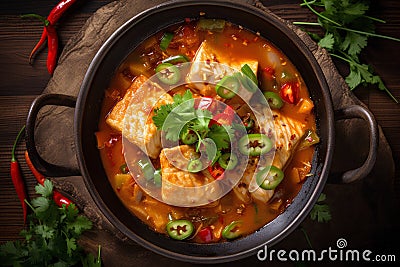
<point>45,190</point>
<point>320,211</point>
<point>327,42</point>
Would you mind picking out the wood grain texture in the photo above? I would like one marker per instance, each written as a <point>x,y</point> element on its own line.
<point>20,83</point>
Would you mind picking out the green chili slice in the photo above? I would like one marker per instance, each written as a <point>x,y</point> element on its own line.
<point>124,168</point>
<point>165,40</point>
<point>214,25</point>
<point>168,73</point>
<point>273,100</point>
<point>310,138</point>
<point>157,178</point>
<point>176,59</point>
<point>195,165</point>
<point>232,230</point>
<point>147,169</point>
<point>179,229</point>
<point>227,87</point>
<point>188,137</point>
<point>269,178</point>
<point>255,144</point>
<point>228,161</point>
<point>249,79</point>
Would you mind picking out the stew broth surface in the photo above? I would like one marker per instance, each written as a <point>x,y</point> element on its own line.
<point>233,43</point>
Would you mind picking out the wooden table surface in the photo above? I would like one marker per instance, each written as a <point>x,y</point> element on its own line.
<point>20,82</point>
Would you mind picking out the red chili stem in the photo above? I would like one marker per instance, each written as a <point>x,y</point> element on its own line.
<point>52,43</point>
<point>16,176</point>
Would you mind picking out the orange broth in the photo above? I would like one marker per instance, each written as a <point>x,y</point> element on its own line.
<point>233,42</point>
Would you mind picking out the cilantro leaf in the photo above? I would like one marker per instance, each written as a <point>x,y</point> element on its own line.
<point>221,135</point>
<point>327,41</point>
<point>51,236</point>
<point>45,190</point>
<point>354,43</point>
<point>320,211</point>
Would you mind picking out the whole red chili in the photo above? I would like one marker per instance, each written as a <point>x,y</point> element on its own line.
<point>58,198</point>
<point>17,178</point>
<point>51,20</point>
<point>52,43</point>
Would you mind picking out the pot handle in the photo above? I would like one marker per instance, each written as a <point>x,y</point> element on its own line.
<point>44,167</point>
<point>357,111</point>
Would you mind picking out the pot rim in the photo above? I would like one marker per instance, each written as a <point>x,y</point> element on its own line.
<point>323,171</point>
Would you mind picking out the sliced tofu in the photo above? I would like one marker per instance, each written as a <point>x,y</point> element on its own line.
<point>133,116</point>
<point>209,67</point>
<point>116,117</point>
<point>183,188</point>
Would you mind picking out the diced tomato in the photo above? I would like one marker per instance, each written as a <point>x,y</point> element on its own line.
<point>290,92</point>
<point>224,118</point>
<point>216,171</point>
<point>206,235</point>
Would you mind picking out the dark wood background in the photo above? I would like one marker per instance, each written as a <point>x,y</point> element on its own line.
<point>20,82</point>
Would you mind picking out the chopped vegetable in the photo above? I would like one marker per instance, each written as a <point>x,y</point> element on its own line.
<point>273,100</point>
<point>120,179</point>
<point>228,161</point>
<point>248,123</point>
<point>227,87</point>
<point>205,234</point>
<point>168,73</point>
<point>188,137</point>
<point>232,230</point>
<point>147,169</point>
<point>251,82</point>
<point>195,165</point>
<point>255,144</point>
<point>166,40</point>
<point>269,178</point>
<point>214,25</point>
<point>179,229</point>
<point>310,138</point>
<point>158,177</point>
<point>176,59</point>
<point>216,171</point>
<point>124,168</point>
<point>290,92</point>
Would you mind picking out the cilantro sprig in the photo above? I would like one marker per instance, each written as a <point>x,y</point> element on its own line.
<point>347,29</point>
<point>51,238</point>
<point>321,212</point>
<point>182,116</point>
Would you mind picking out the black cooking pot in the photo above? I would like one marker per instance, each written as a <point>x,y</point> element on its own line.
<point>87,110</point>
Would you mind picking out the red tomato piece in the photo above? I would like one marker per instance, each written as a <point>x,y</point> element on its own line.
<point>216,171</point>
<point>205,234</point>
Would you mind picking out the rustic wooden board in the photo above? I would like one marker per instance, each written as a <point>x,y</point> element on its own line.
<point>352,202</point>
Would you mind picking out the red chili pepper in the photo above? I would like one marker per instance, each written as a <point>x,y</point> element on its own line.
<point>216,171</point>
<point>59,10</point>
<point>52,43</point>
<point>51,20</point>
<point>290,92</point>
<point>39,44</point>
<point>205,234</point>
<point>17,178</point>
<point>58,198</point>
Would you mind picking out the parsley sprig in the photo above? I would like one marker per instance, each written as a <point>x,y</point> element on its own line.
<point>182,116</point>
<point>51,237</point>
<point>347,29</point>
